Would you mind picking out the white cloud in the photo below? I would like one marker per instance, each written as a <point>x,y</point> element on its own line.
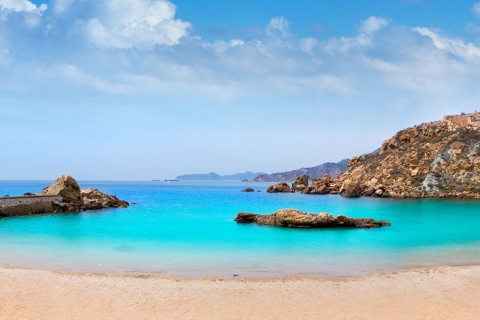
<point>278,26</point>
<point>476,8</point>
<point>136,23</point>
<point>277,62</point>
<point>22,5</point>
<point>373,24</point>
<point>60,6</point>
<point>74,74</point>
<point>455,46</point>
<point>308,44</point>
<point>366,32</point>
<point>222,46</point>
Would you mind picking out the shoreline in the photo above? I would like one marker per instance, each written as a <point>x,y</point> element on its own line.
<point>448,292</point>
<point>236,275</point>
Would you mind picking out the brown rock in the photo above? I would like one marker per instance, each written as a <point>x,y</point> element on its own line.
<point>248,190</point>
<point>320,186</point>
<point>76,200</point>
<point>66,187</point>
<point>300,183</point>
<point>94,199</point>
<point>350,189</point>
<point>279,187</point>
<point>292,218</point>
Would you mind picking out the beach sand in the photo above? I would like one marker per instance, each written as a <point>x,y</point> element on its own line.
<point>433,293</point>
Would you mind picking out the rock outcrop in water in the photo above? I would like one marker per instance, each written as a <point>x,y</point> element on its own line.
<point>64,195</point>
<point>323,185</point>
<point>67,188</point>
<point>438,159</point>
<point>94,199</point>
<point>279,187</point>
<point>300,183</point>
<point>292,218</point>
<point>74,199</point>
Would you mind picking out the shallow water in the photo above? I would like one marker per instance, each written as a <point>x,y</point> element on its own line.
<point>188,229</point>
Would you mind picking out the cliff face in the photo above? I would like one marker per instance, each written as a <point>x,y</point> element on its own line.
<point>332,169</point>
<point>436,159</point>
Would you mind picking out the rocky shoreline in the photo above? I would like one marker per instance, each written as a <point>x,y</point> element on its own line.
<point>292,218</point>
<point>439,159</point>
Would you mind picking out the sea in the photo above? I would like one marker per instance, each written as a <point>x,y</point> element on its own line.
<point>188,230</point>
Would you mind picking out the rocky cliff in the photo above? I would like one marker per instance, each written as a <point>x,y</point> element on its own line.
<point>435,159</point>
<point>330,168</point>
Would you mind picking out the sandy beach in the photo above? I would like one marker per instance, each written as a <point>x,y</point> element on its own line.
<point>433,293</point>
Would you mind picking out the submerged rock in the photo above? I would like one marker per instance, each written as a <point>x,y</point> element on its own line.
<point>293,218</point>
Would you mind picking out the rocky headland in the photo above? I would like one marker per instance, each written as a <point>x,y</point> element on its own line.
<point>64,195</point>
<point>292,218</point>
<point>439,159</point>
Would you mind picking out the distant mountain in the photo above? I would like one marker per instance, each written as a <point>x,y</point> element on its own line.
<point>212,176</point>
<point>333,169</point>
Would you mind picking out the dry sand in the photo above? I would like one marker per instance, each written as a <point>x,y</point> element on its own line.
<point>434,293</point>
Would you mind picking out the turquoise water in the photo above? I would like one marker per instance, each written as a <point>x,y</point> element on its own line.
<point>188,230</point>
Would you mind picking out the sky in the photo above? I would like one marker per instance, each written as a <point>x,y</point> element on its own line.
<point>152,89</point>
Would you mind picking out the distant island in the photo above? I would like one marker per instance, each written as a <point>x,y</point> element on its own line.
<point>212,176</point>
<point>330,168</point>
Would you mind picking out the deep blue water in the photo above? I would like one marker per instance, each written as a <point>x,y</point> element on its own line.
<point>188,229</point>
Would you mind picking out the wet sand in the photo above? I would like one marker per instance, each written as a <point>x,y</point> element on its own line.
<point>433,293</point>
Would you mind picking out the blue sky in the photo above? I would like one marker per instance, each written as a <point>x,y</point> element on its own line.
<point>142,89</point>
